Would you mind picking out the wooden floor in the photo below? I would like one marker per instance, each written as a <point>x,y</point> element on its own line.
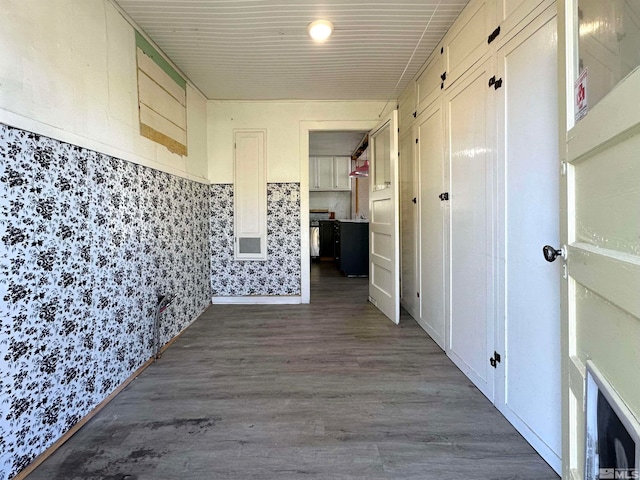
<point>330,390</point>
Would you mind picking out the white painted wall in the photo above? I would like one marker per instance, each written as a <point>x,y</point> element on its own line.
<point>282,121</point>
<point>68,71</point>
<point>337,202</point>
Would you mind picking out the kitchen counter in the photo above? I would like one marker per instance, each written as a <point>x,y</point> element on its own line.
<point>355,220</point>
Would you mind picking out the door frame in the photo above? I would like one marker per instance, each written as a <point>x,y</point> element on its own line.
<point>306,127</point>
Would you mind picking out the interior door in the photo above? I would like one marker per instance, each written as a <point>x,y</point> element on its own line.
<point>384,218</point>
<point>471,127</point>
<point>601,215</point>
<point>528,393</point>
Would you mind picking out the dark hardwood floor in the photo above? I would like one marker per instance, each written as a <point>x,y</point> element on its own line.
<point>330,390</point>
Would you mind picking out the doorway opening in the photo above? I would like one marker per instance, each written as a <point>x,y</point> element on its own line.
<point>338,212</point>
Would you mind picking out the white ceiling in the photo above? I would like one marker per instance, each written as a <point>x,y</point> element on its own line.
<point>259,49</point>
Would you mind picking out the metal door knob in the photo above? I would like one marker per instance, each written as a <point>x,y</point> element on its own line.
<point>550,253</point>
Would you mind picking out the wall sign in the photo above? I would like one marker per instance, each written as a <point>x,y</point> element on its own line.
<point>580,96</point>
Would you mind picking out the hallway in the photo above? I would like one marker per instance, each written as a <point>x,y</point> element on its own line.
<point>327,390</point>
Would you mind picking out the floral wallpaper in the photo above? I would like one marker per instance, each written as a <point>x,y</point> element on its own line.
<point>87,241</point>
<point>280,273</point>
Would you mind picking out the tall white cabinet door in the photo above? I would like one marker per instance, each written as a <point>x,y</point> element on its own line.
<point>471,126</point>
<point>250,195</point>
<point>529,391</point>
<point>430,151</point>
<point>409,289</point>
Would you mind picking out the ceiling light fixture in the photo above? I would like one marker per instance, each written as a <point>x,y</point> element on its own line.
<point>320,30</point>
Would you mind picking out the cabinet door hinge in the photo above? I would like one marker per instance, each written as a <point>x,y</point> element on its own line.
<point>493,35</point>
<point>495,83</point>
<point>495,360</point>
<point>444,196</point>
<point>443,77</point>
<point>416,140</point>
<point>418,293</point>
<point>415,114</point>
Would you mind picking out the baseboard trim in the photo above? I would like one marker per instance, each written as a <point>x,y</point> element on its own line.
<point>257,300</point>
<point>69,433</point>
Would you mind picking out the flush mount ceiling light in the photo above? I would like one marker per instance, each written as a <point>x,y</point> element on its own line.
<point>320,30</point>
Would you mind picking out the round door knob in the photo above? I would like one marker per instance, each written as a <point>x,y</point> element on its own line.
<point>550,253</point>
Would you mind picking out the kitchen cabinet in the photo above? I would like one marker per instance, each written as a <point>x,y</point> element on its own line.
<point>329,174</point>
<point>352,247</point>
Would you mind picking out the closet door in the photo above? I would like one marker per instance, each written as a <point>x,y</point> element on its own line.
<point>471,128</point>
<point>528,393</point>
<point>409,260</point>
<point>430,151</point>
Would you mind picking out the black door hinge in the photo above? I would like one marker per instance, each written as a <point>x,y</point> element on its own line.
<point>415,200</point>
<point>441,85</point>
<point>444,196</point>
<point>415,114</point>
<point>495,360</point>
<point>493,35</point>
<point>418,293</point>
<point>416,140</point>
<point>495,83</point>
<point>443,77</point>
<point>441,50</point>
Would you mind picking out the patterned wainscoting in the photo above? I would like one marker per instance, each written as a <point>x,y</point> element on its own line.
<point>280,273</point>
<point>87,241</point>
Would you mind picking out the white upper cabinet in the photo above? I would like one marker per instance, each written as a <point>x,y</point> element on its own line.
<point>341,170</point>
<point>407,107</point>
<point>329,173</point>
<point>514,15</point>
<point>469,39</point>
<point>430,82</point>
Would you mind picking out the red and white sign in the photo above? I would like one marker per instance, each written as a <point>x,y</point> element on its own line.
<point>580,96</point>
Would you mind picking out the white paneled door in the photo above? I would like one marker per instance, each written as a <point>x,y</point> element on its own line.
<point>430,136</point>
<point>601,224</point>
<point>470,123</point>
<point>529,337</point>
<point>384,235</point>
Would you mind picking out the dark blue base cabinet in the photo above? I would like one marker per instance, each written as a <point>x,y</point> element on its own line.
<point>352,247</point>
